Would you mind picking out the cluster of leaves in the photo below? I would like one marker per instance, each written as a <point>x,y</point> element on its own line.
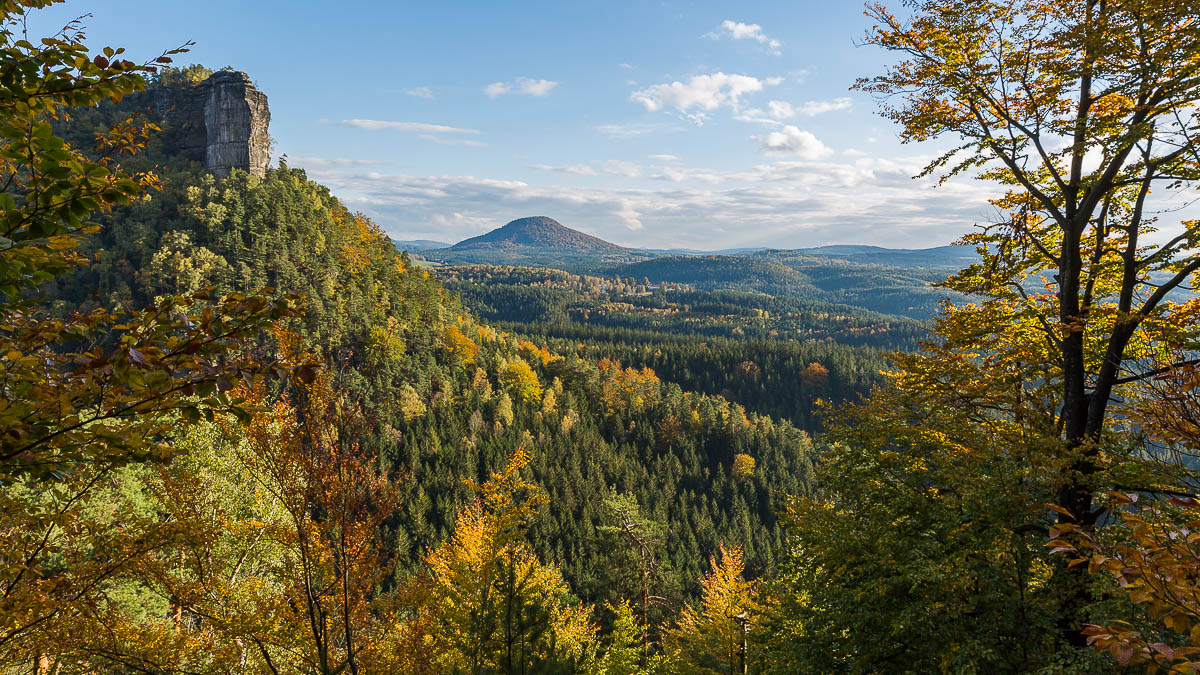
<point>1154,565</point>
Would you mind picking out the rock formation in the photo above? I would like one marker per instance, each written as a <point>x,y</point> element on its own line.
<point>221,122</point>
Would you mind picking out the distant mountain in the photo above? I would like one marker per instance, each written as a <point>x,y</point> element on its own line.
<point>694,251</point>
<point>902,290</point>
<point>892,281</point>
<point>536,240</point>
<point>941,256</point>
<point>418,244</point>
<point>538,233</point>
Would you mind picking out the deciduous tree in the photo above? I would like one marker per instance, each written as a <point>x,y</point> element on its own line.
<point>1081,109</point>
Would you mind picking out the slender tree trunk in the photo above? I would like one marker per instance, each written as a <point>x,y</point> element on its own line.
<point>1076,493</point>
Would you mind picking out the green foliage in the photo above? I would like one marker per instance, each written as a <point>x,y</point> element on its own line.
<point>776,355</point>
<point>53,189</point>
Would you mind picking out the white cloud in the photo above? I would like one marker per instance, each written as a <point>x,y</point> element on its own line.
<point>626,66</point>
<point>534,87</point>
<point>665,158</point>
<point>452,141</point>
<point>635,129</point>
<point>783,110</point>
<point>747,31</point>
<point>420,92</point>
<point>679,174</point>
<point>704,92</point>
<point>496,89</point>
<point>305,162</point>
<point>814,108</point>
<point>792,141</point>
<point>575,169</point>
<point>521,85</point>
<point>422,127</point>
<point>780,110</point>
<point>617,167</point>
<point>612,167</point>
<point>629,215</point>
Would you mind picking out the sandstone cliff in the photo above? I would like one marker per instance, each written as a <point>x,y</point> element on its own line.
<point>221,122</point>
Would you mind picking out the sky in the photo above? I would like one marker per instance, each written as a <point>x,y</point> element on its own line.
<point>704,125</point>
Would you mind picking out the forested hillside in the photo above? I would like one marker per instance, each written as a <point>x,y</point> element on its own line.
<point>442,401</point>
<point>453,399</point>
<point>776,355</point>
<point>899,290</point>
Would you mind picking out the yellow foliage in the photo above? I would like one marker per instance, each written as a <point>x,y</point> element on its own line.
<point>743,467</point>
<point>487,588</point>
<point>364,240</point>
<point>711,636</point>
<point>524,384</point>
<point>385,343</point>
<point>463,347</point>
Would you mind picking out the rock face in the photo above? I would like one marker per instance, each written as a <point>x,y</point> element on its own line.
<point>221,122</point>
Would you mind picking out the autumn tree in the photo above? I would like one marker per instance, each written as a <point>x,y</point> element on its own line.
<point>459,344</point>
<point>335,554</point>
<point>1085,110</point>
<point>493,605</point>
<point>276,550</point>
<point>712,637</point>
<point>743,467</point>
<point>522,382</point>
<point>88,392</point>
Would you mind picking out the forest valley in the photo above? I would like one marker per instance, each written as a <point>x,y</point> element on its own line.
<point>241,432</point>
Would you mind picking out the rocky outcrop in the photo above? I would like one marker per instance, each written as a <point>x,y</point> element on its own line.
<point>221,122</point>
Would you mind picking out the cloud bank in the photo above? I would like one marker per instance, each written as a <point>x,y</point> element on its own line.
<point>782,204</point>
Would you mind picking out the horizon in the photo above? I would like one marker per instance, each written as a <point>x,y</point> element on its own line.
<point>667,126</point>
<point>449,244</point>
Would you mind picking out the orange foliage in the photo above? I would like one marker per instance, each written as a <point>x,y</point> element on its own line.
<point>626,389</point>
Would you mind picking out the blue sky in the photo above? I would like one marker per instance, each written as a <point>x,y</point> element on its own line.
<point>701,124</point>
